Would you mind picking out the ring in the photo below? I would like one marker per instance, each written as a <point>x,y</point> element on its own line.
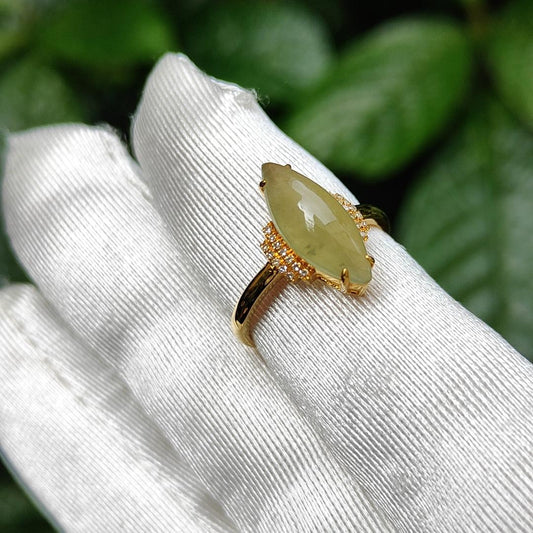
<point>313,236</point>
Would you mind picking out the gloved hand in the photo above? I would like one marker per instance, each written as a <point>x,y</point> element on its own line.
<point>128,405</point>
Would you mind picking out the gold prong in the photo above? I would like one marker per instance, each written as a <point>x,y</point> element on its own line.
<point>345,280</point>
<point>370,259</point>
<point>262,184</point>
<point>288,166</point>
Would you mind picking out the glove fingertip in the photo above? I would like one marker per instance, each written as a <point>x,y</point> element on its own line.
<point>179,98</point>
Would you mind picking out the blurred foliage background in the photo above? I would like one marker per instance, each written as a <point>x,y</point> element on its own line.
<point>424,108</point>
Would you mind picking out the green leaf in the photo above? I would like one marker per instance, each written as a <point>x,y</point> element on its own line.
<point>32,94</point>
<point>13,25</point>
<point>10,270</point>
<point>510,57</point>
<point>468,222</point>
<point>276,48</point>
<point>101,34</point>
<point>17,512</point>
<point>389,96</point>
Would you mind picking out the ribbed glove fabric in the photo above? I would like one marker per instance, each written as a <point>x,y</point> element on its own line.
<point>127,403</point>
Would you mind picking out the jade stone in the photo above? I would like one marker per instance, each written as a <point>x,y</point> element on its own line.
<point>314,224</point>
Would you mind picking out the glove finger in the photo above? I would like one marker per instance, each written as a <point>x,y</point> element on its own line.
<point>422,404</point>
<point>201,143</point>
<point>84,228</point>
<point>76,437</point>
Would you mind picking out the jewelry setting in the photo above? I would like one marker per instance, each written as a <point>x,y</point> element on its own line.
<point>281,255</point>
<point>313,235</point>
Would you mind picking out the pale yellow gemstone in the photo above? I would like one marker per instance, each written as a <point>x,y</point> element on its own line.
<point>314,224</point>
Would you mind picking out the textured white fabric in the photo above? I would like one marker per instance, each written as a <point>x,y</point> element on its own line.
<point>399,411</point>
<point>72,424</point>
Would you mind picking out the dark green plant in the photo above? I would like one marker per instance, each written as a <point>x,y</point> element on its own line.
<point>386,98</point>
<point>424,108</point>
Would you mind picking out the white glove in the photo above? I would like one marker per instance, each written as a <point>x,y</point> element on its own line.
<point>127,404</point>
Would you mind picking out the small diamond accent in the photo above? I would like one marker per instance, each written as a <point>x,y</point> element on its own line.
<point>282,257</point>
<point>356,215</point>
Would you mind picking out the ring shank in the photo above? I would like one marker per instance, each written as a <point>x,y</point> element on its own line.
<point>250,299</point>
<point>375,216</point>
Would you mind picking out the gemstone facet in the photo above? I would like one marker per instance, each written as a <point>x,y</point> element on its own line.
<point>315,225</point>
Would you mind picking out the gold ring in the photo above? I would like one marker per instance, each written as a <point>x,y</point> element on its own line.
<point>313,236</point>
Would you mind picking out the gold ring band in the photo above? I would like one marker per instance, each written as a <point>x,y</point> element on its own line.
<point>313,235</point>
